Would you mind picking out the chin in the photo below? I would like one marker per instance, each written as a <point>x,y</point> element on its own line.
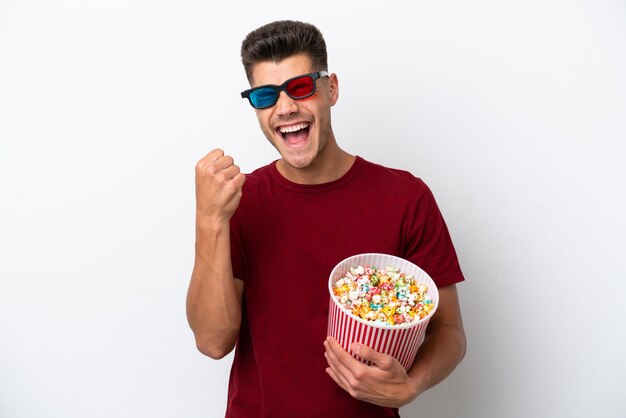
<point>300,158</point>
<point>298,162</point>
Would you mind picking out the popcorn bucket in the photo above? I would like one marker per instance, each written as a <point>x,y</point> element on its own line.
<point>400,341</point>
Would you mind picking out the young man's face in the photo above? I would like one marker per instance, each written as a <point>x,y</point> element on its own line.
<point>299,129</point>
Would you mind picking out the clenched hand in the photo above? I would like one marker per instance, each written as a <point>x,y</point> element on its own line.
<point>219,185</point>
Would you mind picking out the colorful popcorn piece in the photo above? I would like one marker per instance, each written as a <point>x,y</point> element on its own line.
<point>384,296</point>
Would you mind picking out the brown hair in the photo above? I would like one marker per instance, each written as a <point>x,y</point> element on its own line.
<point>281,39</point>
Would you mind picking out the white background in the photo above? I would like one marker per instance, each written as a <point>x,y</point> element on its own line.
<point>513,112</point>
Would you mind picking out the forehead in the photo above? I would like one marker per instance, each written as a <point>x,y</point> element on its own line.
<point>270,72</point>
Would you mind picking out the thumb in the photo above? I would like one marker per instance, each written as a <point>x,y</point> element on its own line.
<point>366,353</point>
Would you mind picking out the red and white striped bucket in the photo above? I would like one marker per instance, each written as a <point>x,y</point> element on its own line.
<point>400,341</point>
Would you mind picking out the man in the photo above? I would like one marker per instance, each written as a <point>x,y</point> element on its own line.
<point>264,250</point>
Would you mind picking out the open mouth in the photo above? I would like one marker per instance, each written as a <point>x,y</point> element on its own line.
<point>295,134</point>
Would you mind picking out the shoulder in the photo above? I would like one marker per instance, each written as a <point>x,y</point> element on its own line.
<point>397,179</point>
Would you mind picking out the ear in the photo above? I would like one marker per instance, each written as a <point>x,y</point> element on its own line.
<point>333,86</point>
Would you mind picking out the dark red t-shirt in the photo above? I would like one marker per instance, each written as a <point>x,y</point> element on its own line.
<point>286,238</point>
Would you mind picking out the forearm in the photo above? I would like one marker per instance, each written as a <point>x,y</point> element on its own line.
<point>441,352</point>
<point>214,299</point>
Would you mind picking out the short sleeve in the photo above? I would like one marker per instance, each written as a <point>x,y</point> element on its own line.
<point>427,240</point>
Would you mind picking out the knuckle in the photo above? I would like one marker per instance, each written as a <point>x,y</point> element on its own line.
<point>358,375</point>
<point>212,169</point>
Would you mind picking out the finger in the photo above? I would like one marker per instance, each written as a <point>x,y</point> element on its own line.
<point>223,162</point>
<point>213,155</point>
<point>342,384</point>
<point>231,172</point>
<point>341,380</point>
<point>239,180</point>
<point>342,362</point>
<point>340,352</point>
<point>337,380</point>
<point>205,162</point>
<point>382,361</point>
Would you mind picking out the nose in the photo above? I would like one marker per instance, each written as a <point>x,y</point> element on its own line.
<point>285,105</point>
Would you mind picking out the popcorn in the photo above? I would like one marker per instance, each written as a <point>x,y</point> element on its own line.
<point>385,308</point>
<point>384,296</point>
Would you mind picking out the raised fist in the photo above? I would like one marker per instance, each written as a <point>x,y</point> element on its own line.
<point>218,187</point>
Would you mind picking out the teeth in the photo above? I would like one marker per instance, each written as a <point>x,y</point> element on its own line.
<point>293,128</point>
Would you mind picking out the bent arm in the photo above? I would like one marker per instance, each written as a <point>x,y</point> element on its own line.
<point>214,296</point>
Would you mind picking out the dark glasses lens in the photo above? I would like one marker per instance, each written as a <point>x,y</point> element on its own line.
<point>299,87</point>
